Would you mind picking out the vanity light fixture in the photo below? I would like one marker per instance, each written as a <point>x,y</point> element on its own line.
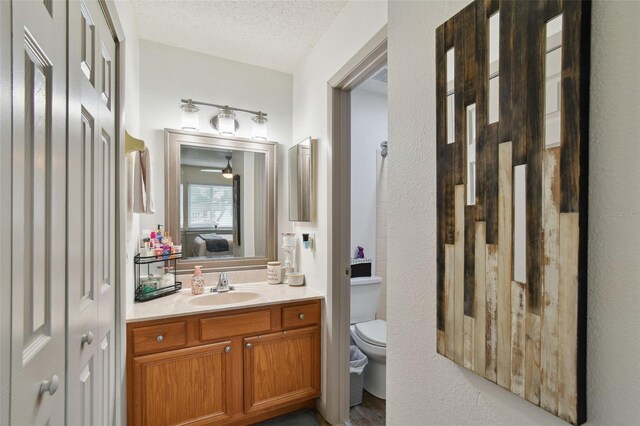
<point>190,118</point>
<point>224,121</point>
<point>227,172</point>
<point>259,126</point>
<point>227,123</point>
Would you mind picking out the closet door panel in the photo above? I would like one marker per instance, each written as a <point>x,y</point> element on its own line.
<point>38,213</point>
<point>91,210</point>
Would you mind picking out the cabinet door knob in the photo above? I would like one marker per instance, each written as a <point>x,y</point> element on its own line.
<point>160,338</point>
<point>227,349</point>
<point>50,386</point>
<point>301,316</point>
<point>248,346</point>
<point>86,338</point>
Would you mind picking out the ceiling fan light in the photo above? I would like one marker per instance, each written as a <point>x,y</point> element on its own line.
<point>227,172</point>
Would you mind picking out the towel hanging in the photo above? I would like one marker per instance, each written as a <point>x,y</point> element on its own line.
<point>142,183</point>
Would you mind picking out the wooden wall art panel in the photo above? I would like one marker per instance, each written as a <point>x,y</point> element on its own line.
<point>512,120</point>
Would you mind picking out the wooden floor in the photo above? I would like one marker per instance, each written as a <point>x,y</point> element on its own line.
<point>372,411</point>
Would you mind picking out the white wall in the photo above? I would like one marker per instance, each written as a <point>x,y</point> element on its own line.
<point>132,125</point>
<point>168,74</point>
<point>423,387</point>
<point>368,130</point>
<point>382,216</point>
<point>356,24</point>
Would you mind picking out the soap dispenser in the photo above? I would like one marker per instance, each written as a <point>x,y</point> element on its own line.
<point>197,281</point>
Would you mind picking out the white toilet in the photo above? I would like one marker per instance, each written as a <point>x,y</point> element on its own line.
<point>368,333</point>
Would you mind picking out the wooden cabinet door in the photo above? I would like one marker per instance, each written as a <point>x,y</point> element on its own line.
<point>187,386</point>
<point>281,368</point>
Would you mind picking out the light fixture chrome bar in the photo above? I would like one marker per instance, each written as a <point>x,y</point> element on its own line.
<point>264,114</point>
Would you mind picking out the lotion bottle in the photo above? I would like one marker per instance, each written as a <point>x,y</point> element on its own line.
<point>197,281</point>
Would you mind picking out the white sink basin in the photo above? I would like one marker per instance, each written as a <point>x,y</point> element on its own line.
<point>229,298</point>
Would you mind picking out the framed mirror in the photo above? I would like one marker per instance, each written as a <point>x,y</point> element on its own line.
<point>220,197</point>
<point>301,181</point>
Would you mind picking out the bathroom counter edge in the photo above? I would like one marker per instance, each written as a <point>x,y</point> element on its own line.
<point>177,304</point>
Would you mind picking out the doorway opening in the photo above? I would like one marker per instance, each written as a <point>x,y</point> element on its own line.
<point>368,284</point>
<point>367,63</point>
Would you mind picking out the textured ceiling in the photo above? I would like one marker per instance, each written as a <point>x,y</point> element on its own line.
<point>271,34</point>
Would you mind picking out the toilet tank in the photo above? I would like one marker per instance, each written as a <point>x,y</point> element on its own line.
<point>365,293</point>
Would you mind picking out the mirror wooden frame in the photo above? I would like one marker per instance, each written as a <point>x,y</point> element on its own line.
<point>174,140</point>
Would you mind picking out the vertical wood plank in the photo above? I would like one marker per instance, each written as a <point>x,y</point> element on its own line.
<point>449,34</point>
<point>552,8</point>
<point>490,157</point>
<point>568,316</point>
<point>519,77</point>
<point>534,134</point>
<point>508,107</point>
<point>469,259</point>
<point>518,309</point>
<point>481,82</point>
<point>459,277</point>
<point>479,334</point>
<point>460,152</point>
<point>441,171</point>
<point>491,353</point>
<point>532,358</point>
<point>449,291</point>
<point>469,329</point>
<point>449,196</point>
<point>469,50</point>
<point>505,234</point>
<point>574,99</point>
<point>550,235</point>
<point>491,7</point>
<point>440,342</point>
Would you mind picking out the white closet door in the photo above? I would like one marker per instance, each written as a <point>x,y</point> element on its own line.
<point>91,211</point>
<point>5,211</point>
<point>38,213</point>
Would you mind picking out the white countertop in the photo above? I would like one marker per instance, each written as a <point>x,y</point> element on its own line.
<point>182,302</point>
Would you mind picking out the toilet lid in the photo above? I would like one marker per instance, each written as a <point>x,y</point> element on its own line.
<point>373,332</point>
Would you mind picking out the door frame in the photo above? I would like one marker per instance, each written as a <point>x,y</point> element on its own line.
<point>113,20</point>
<point>369,59</point>
<point>6,143</point>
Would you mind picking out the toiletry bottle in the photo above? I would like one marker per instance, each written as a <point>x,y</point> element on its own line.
<point>197,281</point>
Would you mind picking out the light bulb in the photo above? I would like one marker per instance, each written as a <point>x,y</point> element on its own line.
<point>260,127</point>
<point>190,117</point>
<point>227,122</point>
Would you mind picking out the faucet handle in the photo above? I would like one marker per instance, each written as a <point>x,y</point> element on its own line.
<point>222,279</point>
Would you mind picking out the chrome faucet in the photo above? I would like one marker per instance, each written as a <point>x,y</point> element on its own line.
<point>223,284</point>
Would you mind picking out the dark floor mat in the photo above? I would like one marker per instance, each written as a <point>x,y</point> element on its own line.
<point>297,418</point>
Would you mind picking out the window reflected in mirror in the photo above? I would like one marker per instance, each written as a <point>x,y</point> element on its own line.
<point>520,223</point>
<point>451,103</point>
<point>553,81</point>
<point>471,154</point>
<point>494,67</point>
<point>222,202</point>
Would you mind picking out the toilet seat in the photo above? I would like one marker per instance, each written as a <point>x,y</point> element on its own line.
<point>373,332</point>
